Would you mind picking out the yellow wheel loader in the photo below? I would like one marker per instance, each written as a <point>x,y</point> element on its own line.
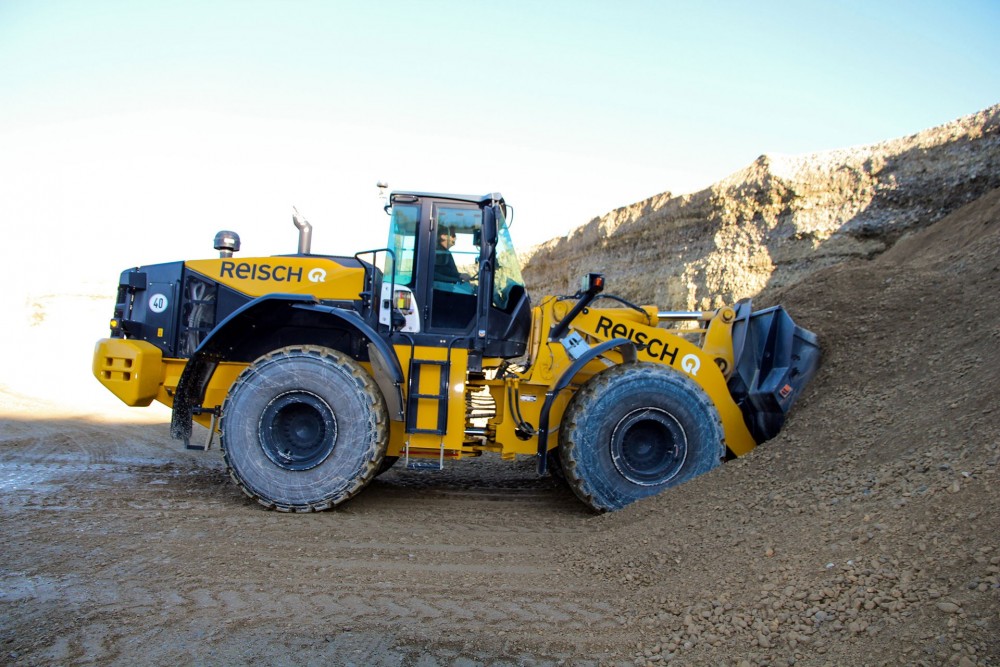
<point>320,372</point>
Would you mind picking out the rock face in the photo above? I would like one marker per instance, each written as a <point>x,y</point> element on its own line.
<point>777,221</point>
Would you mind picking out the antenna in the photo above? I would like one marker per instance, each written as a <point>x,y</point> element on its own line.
<point>383,194</point>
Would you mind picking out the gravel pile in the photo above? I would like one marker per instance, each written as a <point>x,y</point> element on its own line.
<point>866,533</point>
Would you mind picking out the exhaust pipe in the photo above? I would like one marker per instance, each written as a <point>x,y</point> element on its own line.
<point>305,231</point>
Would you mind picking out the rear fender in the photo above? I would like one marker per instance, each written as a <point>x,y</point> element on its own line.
<point>273,321</point>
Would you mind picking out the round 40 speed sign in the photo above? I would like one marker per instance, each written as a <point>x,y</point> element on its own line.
<point>158,303</point>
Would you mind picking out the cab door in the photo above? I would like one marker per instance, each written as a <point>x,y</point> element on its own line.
<point>455,247</point>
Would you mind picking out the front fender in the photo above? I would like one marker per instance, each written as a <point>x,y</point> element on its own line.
<point>623,346</point>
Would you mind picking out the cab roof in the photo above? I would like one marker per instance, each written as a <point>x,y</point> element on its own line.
<point>472,199</point>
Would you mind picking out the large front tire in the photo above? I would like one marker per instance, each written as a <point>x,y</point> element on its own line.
<point>304,428</point>
<point>635,430</point>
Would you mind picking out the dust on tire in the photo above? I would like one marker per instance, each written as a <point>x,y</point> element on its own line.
<point>635,430</point>
<point>304,428</point>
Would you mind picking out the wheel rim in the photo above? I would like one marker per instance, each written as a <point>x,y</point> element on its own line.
<point>649,446</point>
<point>298,430</point>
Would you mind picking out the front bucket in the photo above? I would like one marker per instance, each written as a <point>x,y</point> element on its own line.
<point>774,360</point>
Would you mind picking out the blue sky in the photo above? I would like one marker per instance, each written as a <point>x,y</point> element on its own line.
<point>138,129</point>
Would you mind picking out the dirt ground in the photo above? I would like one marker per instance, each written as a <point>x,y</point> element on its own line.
<point>865,534</point>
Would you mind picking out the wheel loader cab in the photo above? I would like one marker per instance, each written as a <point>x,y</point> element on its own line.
<point>454,254</point>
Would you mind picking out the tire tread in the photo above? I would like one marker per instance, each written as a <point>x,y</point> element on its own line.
<point>363,382</point>
<point>573,436</point>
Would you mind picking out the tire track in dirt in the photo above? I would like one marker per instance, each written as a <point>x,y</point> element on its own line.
<point>395,613</point>
<point>141,532</point>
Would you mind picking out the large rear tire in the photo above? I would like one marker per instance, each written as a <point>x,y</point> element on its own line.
<point>303,429</point>
<point>635,430</point>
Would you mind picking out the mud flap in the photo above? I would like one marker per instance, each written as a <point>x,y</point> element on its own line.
<point>774,361</point>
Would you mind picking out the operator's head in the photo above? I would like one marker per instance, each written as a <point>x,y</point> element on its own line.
<point>446,236</point>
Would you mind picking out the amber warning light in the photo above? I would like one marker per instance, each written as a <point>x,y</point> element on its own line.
<point>593,283</point>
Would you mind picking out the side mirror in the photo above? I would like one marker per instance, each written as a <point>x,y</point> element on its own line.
<point>592,284</point>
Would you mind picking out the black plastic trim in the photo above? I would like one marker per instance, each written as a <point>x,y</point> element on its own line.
<point>219,346</point>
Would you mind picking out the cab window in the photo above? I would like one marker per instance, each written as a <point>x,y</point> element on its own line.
<point>458,233</point>
<point>402,242</point>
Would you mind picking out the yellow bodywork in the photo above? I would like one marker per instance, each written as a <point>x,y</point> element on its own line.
<point>322,277</point>
<point>453,444</point>
<point>132,370</point>
<point>137,373</point>
<point>708,363</point>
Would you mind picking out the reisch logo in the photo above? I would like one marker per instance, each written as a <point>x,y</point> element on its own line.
<point>317,276</point>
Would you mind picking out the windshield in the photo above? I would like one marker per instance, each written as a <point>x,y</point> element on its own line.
<point>508,269</point>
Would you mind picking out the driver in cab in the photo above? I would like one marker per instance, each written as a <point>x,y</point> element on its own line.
<point>445,269</point>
